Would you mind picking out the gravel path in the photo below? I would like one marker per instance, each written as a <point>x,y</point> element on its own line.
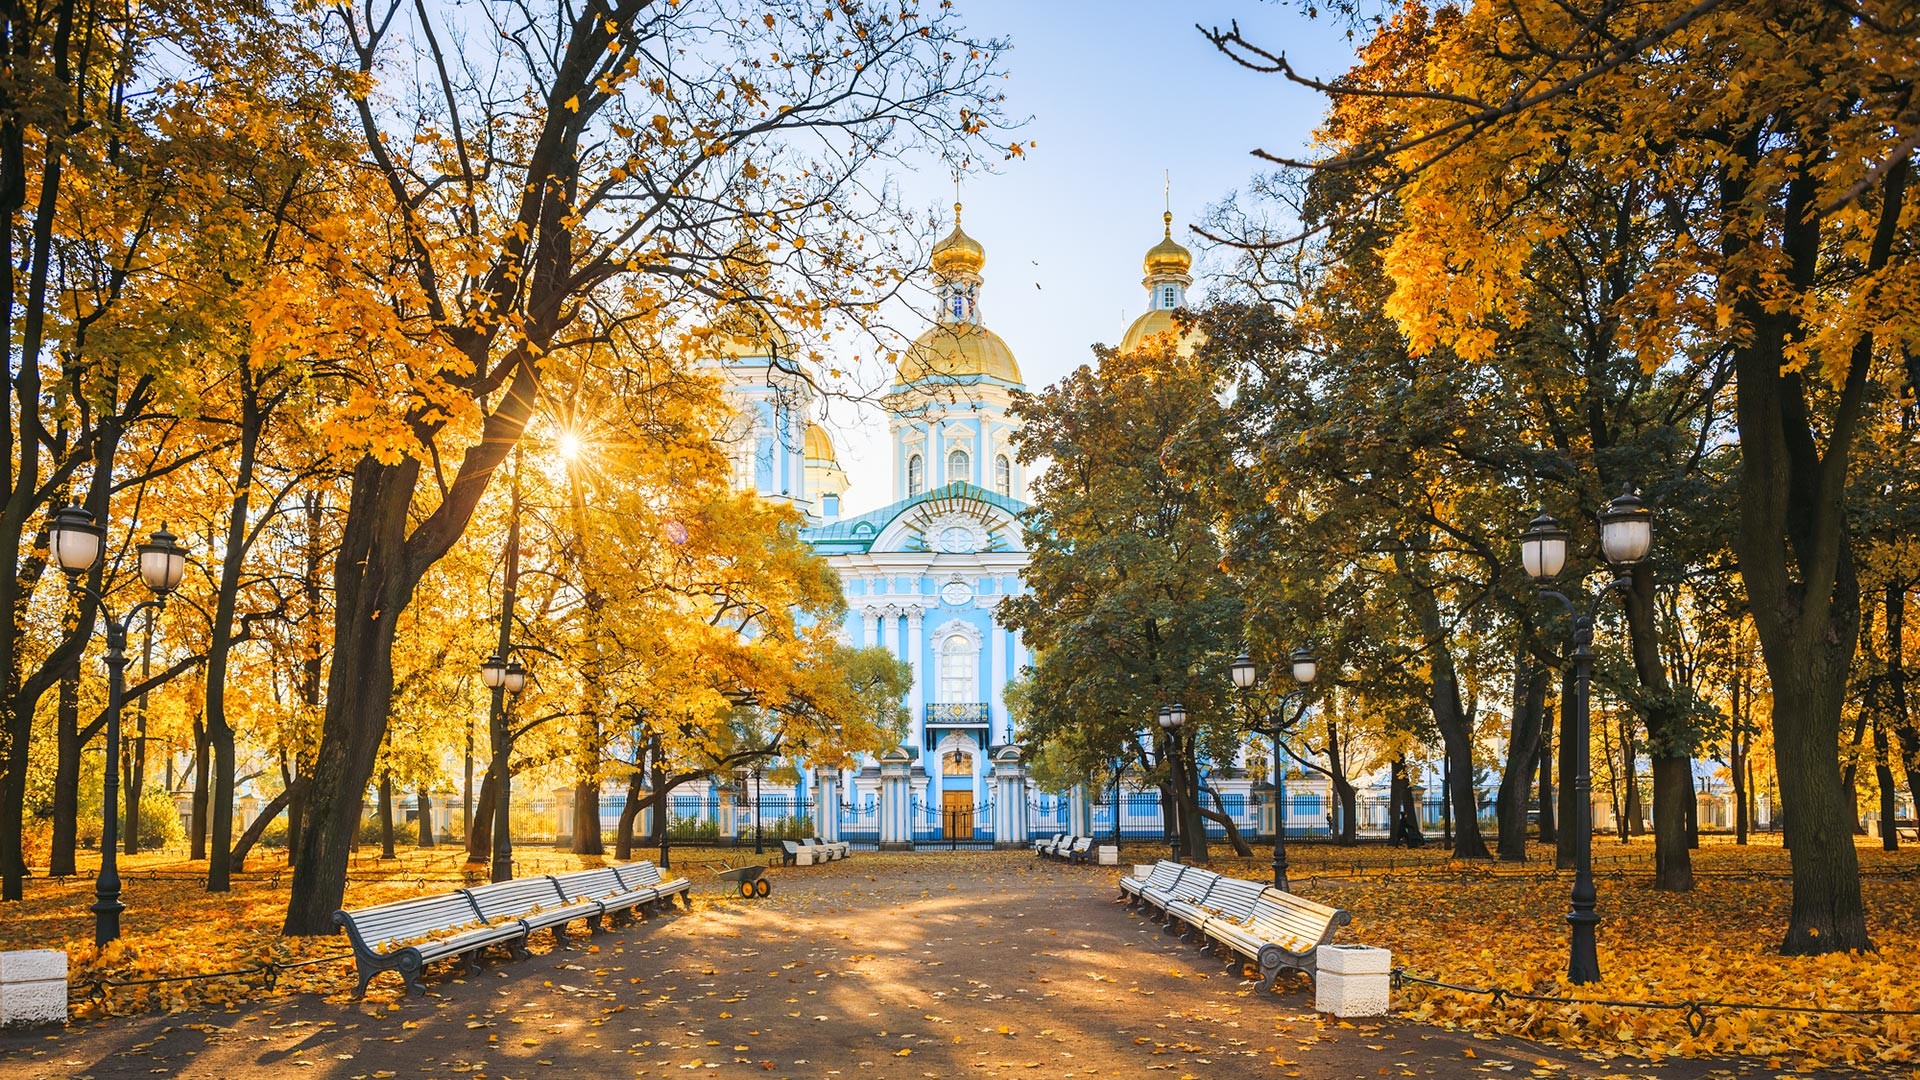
<point>926,965</point>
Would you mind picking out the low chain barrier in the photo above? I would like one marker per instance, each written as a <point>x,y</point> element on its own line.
<point>1695,1014</point>
<point>95,989</point>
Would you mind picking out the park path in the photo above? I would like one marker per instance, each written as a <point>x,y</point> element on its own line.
<point>925,965</point>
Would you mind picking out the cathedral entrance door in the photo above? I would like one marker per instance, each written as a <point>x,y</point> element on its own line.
<point>956,814</point>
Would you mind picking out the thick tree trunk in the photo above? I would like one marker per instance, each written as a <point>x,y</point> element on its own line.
<point>1219,813</point>
<point>1630,823</point>
<point>1403,813</point>
<point>197,826</point>
<point>586,819</point>
<point>1449,715</point>
<point>1523,748</point>
<point>1883,776</point>
<point>66,775</point>
<point>425,822</point>
<point>1672,794</point>
<point>296,813</point>
<point>480,833</point>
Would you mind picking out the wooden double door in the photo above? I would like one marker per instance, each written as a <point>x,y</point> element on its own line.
<point>956,814</point>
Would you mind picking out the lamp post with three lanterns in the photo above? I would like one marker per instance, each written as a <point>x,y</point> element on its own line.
<point>75,542</point>
<point>1626,535</point>
<point>1172,718</point>
<point>504,678</point>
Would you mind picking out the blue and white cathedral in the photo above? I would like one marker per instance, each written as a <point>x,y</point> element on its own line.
<point>925,572</point>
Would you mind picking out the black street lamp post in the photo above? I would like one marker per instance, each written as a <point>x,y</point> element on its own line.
<point>75,542</point>
<point>1275,726</point>
<point>506,679</point>
<point>1626,535</point>
<point>1172,718</point>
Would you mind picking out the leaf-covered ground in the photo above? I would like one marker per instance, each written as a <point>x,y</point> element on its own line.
<point>1502,925</point>
<point>931,964</point>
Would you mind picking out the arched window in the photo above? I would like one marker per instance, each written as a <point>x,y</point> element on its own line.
<point>959,467</point>
<point>1003,475</point>
<point>957,661</point>
<point>916,475</point>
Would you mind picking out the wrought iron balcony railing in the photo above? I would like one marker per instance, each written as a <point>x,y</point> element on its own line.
<point>957,714</point>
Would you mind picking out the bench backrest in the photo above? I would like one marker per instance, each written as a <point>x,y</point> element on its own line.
<point>1301,923</point>
<point>790,847</point>
<point>589,884</point>
<point>512,899</point>
<point>1083,843</point>
<point>639,875</point>
<point>1234,897</point>
<point>1193,885</point>
<point>1162,876</point>
<point>402,921</point>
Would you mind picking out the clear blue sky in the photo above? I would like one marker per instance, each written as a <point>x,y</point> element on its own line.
<point>1120,93</point>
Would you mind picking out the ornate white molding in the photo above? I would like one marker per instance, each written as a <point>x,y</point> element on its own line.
<point>961,627</point>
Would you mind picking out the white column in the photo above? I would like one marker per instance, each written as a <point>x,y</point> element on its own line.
<point>917,696</point>
<point>871,624</point>
<point>826,802</point>
<point>1019,652</point>
<point>996,683</point>
<point>896,829</point>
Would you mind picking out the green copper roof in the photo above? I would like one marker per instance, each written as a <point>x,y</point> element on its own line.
<point>857,534</point>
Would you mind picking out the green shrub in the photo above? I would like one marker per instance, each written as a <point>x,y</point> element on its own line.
<point>693,829</point>
<point>404,832</point>
<point>160,824</point>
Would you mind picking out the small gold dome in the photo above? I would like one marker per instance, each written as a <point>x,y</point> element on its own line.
<point>1159,321</point>
<point>958,349</point>
<point>742,332</point>
<point>1168,257</point>
<point>958,253</point>
<point>818,445</point>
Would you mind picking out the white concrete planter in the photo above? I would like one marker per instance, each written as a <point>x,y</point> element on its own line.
<point>33,987</point>
<point>1351,980</point>
<point>1108,855</point>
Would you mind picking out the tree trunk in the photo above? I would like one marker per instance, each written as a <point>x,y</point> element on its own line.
<point>586,819</point>
<point>66,775</point>
<point>1219,814</point>
<point>1523,748</point>
<point>1403,814</point>
<point>257,828</point>
<point>1737,755</point>
<point>1889,795</point>
<point>1455,724</point>
<point>1548,834</point>
<point>1670,741</point>
<point>1569,815</point>
<point>480,833</point>
<point>197,829</point>
<point>629,813</point>
<point>1630,823</point>
<point>425,821</point>
<point>136,773</point>
<point>385,811</point>
<point>1349,811</point>
<point>296,813</point>
<point>1793,541</point>
<point>1897,711</point>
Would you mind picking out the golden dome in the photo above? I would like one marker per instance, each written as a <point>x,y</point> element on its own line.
<point>742,333</point>
<point>1168,257</point>
<point>958,253</point>
<point>818,445</point>
<point>958,349</point>
<point>1159,321</point>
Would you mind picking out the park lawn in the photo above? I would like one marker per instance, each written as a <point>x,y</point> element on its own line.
<point>1472,924</point>
<point>1502,925</point>
<point>173,926</point>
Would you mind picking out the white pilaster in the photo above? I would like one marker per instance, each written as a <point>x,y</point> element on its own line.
<point>996,700</point>
<point>871,623</point>
<point>916,697</point>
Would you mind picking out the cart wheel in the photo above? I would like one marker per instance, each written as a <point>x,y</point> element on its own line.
<point>762,887</point>
<point>746,889</point>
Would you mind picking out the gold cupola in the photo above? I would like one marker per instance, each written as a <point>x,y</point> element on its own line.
<point>957,253</point>
<point>1167,258</point>
<point>1168,266</point>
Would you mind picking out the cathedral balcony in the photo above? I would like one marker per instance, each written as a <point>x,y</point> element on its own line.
<point>957,714</point>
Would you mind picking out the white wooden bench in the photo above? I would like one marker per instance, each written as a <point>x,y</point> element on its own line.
<point>1190,888</point>
<point>1282,932</point>
<point>1159,879</point>
<point>604,889</point>
<point>407,935</point>
<point>793,853</point>
<point>1043,847</point>
<point>644,875</point>
<point>1080,850</point>
<point>825,852</point>
<point>536,902</point>
<point>1228,898</point>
